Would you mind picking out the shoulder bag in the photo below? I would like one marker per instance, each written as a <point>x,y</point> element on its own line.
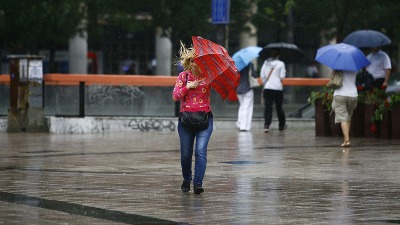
<point>269,75</point>
<point>252,80</point>
<point>194,121</point>
<point>336,80</point>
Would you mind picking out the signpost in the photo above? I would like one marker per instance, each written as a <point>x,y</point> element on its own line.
<point>220,16</point>
<point>220,11</point>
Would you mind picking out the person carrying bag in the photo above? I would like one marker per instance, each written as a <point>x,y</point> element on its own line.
<point>195,123</point>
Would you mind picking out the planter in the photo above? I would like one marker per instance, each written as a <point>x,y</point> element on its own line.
<point>336,130</point>
<point>370,129</point>
<point>379,129</point>
<point>385,126</point>
<point>358,122</point>
<point>322,120</point>
<point>395,121</point>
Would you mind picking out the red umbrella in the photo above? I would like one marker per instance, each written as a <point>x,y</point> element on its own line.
<point>217,66</point>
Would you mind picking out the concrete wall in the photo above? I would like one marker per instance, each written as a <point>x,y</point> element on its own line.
<point>66,125</point>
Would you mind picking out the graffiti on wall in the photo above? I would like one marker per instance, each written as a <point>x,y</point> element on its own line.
<point>106,95</point>
<point>3,125</point>
<point>151,124</point>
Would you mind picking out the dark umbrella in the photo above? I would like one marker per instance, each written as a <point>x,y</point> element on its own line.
<point>219,68</point>
<point>289,53</point>
<point>367,39</point>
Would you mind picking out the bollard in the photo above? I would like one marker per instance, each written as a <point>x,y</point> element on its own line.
<point>26,112</point>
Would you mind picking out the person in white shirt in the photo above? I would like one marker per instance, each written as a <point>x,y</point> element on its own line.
<point>272,72</point>
<point>380,67</point>
<point>345,102</point>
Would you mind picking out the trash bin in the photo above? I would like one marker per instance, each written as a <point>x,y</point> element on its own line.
<point>26,112</point>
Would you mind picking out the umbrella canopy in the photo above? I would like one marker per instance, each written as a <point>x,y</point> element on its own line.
<point>244,56</point>
<point>289,53</point>
<point>342,57</point>
<point>218,67</point>
<point>367,39</point>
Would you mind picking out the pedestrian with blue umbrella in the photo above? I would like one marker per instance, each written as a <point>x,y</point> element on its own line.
<point>345,61</point>
<point>247,83</point>
<point>380,67</point>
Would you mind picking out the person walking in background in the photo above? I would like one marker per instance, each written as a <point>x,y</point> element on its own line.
<point>246,99</point>
<point>345,102</point>
<point>272,72</point>
<point>380,67</point>
<point>193,90</point>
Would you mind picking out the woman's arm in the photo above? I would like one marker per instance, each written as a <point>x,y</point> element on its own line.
<point>180,89</point>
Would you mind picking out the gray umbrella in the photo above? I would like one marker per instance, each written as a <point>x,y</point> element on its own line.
<point>367,39</point>
<point>289,53</point>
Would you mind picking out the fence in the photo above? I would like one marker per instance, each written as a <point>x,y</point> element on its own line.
<point>78,95</point>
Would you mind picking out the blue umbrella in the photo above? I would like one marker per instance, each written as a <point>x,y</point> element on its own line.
<point>342,57</point>
<point>244,56</point>
<point>367,39</point>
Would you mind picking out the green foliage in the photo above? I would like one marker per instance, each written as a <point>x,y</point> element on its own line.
<point>376,97</point>
<point>35,24</point>
<point>325,96</point>
<point>328,19</point>
<point>382,102</point>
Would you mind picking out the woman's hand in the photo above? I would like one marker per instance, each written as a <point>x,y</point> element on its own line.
<point>193,84</point>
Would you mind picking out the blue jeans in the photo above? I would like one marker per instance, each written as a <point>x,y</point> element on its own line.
<point>200,152</point>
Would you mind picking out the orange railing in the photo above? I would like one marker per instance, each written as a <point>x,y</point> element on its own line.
<point>143,80</point>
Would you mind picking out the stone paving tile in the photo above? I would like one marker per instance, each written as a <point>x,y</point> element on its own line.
<point>289,177</point>
<point>12,213</point>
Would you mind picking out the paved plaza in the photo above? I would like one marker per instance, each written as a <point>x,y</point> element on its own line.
<point>289,177</point>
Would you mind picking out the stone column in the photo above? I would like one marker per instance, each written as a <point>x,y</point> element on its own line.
<point>78,49</point>
<point>249,36</point>
<point>163,52</point>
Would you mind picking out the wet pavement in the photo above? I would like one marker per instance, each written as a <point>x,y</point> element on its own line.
<point>289,177</point>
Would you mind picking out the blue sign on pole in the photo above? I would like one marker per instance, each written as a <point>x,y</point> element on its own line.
<point>220,11</point>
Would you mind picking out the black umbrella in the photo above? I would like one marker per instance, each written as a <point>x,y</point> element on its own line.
<point>367,39</point>
<point>289,53</point>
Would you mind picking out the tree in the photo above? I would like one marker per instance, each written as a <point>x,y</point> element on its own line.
<point>35,24</point>
<point>117,20</point>
<point>30,25</point>
<point>315,20</point>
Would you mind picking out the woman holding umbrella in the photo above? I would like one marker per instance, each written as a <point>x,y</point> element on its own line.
<point>345,60</point>
<point>244,91</point>
<point>345,102</point>
<point>272,72</point>
<point>193,90</point>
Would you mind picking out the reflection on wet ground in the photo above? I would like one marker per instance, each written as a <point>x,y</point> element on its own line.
<point>289,177</point>
<point>77,209</point>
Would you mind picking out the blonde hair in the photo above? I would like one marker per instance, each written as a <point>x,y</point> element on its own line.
<point>185,54</point>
